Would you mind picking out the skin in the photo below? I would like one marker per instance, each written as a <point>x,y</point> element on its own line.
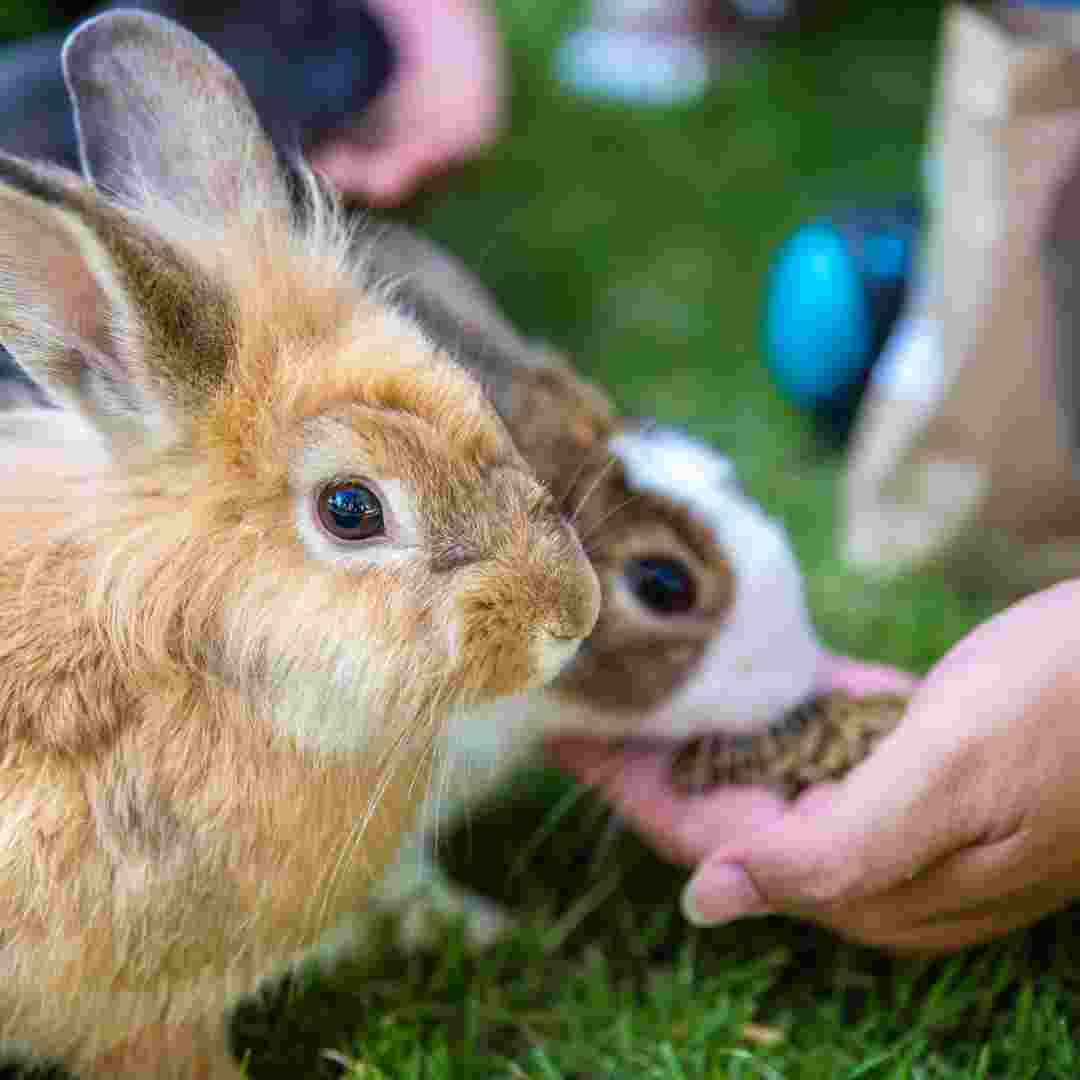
<point>444,104</point>
<point>963,825</point>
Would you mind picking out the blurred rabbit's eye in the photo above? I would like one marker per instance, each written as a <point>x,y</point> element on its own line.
<point>351,511</point>
<point>664,586</point>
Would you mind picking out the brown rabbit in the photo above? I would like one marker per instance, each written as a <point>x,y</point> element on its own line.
<point>298,544</point>
<point>703,627</point>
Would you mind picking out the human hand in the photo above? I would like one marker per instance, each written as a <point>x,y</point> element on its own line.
<point>636,776</point>
<point>443,104</point>
<point>962,825</point>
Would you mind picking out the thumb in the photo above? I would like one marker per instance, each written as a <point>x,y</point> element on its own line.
<point>838,844</point>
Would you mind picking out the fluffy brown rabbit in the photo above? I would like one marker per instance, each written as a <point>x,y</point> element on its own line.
<point>703,626</point>
<point>237,616</point>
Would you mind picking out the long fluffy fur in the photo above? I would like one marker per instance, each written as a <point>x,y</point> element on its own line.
<point>213,733</point>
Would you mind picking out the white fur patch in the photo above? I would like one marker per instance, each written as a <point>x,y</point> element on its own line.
<point>312,671</point>
<point>765,657</point>
<point>553,655</point>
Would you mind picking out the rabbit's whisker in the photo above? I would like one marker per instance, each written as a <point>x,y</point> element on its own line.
<point>440,770</point>
<point>351,842</point>
<point>582,465</point>
<point>596,481</point>
<point>587,538</point>
<point>397,753</point>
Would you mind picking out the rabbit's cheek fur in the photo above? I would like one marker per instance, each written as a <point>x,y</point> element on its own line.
<point>331,676</point>
<point>765,656</point>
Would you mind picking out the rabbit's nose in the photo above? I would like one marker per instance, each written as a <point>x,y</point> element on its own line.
<point>521,619</point>
<point>580,608</point>
<point>573,611</point>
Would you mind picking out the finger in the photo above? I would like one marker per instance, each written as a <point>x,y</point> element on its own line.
<point>971,896</point>
<point>844,673</point>
<point>976,886</point>
<point>981,881</point>
<point>889,820</point>
<point>964,929</point>
<point>596,762</point>
<point>686,830</point>
<point>636,779</point>
<point>951,937</point>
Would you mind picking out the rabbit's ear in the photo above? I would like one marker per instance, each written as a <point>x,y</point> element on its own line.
<point>102,312</point>
<point>160,115</point>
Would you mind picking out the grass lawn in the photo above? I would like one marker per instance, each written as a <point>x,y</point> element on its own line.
<point>637,241</point>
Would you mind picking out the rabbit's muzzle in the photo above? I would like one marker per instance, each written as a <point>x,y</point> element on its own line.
<point>522,614</point>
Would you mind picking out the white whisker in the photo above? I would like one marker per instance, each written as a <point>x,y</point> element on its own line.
<point>585,538</point>
<point>612,460</point>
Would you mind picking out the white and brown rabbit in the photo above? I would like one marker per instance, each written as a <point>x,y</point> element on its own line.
<point>703,627</point>
<point>238,616</point>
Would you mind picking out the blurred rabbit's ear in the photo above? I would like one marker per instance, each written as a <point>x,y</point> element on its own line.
<point>161,117</point>
<point>101,311</point>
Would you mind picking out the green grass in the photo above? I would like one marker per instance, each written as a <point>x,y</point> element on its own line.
<point>638,241</point>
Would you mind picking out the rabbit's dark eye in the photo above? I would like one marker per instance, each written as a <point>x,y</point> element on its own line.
<point>664,586</point>
<point>351,511</point>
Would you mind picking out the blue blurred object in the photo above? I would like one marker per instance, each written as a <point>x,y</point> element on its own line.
<point>833,294</point>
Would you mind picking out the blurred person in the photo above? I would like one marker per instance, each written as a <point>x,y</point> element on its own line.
<point>443,103</point>
<point>381,96</point>
<point>664,52</point>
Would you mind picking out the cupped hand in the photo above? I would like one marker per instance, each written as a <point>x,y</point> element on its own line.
<point>962,825</point>
<point>635,777</point>
<point>444,102</point>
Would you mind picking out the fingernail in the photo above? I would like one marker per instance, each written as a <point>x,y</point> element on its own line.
<point>719,894</point>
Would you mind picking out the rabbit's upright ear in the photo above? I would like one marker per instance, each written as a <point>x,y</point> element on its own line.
<point>104,313</point>
<point>161,117</point>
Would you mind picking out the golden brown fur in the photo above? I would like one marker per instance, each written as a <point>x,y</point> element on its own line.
<point>636,660</point>
<point>216,719</point>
